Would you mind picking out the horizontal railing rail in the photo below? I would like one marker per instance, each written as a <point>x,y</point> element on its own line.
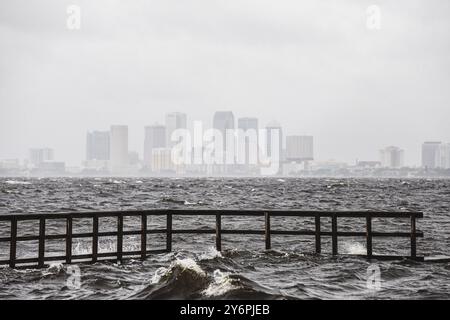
<point>212,212</point>
<point>169,231</point>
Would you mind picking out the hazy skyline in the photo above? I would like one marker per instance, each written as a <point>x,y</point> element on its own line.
<point>314,67</point>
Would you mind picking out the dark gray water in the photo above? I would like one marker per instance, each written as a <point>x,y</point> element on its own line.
<point>243,270</point>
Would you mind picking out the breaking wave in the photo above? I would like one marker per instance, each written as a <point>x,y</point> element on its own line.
<point>185,279</point>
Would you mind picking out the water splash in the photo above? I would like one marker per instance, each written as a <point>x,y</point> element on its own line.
<point>212,253</point>
<point>221,284</point>
<point>353,248</point>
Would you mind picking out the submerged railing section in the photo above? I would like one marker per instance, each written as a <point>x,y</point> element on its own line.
<point>68,237</point>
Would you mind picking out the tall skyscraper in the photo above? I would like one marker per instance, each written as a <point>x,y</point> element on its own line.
<point>119,148</point>
<point>271,128</point>
<point>97,145</point>
<point>299,148</point>
<point>155,137</point>
<point>431,154</point>
<point>250,145</point>
<point>223,121</point>
<point>248,123</point>
<point>40,155</point>
<point>174,121</point>
<point>392,157</point>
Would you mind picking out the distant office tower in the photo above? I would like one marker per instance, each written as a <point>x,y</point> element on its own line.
<point>161,160</point>
<point>248,123</point>
<point>445,156</point>
<point>155,137</point>
<point>119,148</point>
<point>249,126</point>
<point>97,145</point>
<point>431,154</point>
<point>223,121</point>
<point>40,155</point>
<point>299,148</point>
<point>271,129</point>
<point>174,121</point>
<point>392,157</point>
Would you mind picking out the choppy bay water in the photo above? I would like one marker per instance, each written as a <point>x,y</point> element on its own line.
<point>243,270</point>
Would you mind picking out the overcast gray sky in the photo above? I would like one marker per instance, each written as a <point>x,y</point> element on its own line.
<point>313,66</point>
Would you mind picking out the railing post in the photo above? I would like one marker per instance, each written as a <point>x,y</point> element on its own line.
<point>94,238</point>
<point>169,232</point>
<point>334,239</point>
<point>41,255</point>
<point>369,235</point>
<point>119,237</point>
<point>13,243</point>
<point>318,240</point>
<point>143,236</point>
<point>69,227</point>
<point>267,230</point>
<point>218,232</point>
<point>413,237</point>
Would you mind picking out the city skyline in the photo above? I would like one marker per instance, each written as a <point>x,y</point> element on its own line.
<point>354,89</point>
<point>109,150</point>
<point>137,138</point>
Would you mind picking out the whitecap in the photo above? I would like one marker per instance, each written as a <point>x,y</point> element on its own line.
<point>354,248</point>
<point>221,284</point>
<point>159,273</point>
<point>53,268</point>
<point>184,264</point>
<point>210,254</point>
<point>17,182</point>
<point>190,264</point>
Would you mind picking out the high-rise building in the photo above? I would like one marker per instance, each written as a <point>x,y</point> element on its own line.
<point>445,156</point>
<point>155,137</point>
<point>274,148</point>
<point>431,154</point>
<point>299,148</point>
<point>223,121</point>
<point>392,157</point>
<point>248,123</point>
<point>40,155</point>
<point>161,160</point>
<point>174,121</point>
<point>97,145</point>
<point>119,148</point>
<point>250,144</point>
